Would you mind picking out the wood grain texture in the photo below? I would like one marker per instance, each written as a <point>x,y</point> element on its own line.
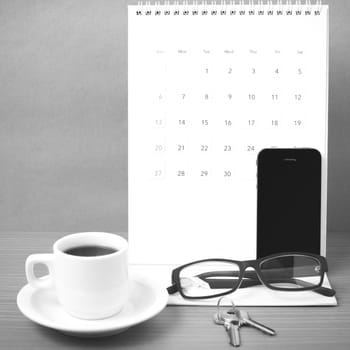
<point>179,327</point>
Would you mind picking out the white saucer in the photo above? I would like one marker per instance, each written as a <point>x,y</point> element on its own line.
<point>146,300</point>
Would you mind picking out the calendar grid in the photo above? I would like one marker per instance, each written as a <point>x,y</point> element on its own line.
<point>207,91</point>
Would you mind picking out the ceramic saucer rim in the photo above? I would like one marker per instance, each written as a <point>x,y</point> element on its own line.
<point>98,326</point>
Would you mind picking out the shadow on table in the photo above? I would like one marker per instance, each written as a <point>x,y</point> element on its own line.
<point>153,331</point>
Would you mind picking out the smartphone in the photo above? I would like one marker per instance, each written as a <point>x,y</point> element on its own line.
<point>289,201</point>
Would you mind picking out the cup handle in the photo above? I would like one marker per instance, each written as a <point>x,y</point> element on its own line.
<point>45,281</point>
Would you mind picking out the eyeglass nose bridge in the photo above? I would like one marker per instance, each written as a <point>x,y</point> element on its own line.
<point>251,274</point>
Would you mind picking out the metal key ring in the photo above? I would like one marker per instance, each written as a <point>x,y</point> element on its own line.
<point>219,306</point>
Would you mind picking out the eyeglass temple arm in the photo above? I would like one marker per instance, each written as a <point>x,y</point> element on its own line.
<point>253,280</point>
<point>172,289</point>
<point>247,274</point>
<point>245,283</point>
<point>250,283</point>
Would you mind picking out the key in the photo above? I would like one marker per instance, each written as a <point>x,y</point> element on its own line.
<point>232,329</point>
<point>245,320</point>
<point>231,324</point>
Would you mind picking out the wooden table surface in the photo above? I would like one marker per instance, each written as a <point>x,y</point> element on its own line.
<point>179,327</point>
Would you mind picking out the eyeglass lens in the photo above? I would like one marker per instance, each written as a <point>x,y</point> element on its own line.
<point>210,278</point>
<point>291,272</point>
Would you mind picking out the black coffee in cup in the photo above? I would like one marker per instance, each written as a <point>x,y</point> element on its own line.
<point>90,250</point>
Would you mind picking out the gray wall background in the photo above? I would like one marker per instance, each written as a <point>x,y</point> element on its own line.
<point>63,115</point>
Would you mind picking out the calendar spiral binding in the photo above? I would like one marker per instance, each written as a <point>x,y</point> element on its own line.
<point>241,7</point>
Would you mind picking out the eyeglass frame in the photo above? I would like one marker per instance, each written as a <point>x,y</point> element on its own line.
<point>255,264</point>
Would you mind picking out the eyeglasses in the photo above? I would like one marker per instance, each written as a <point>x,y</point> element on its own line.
<point>285,272</point>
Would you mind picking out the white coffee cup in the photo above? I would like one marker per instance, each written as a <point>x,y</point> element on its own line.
<point>88,287</point>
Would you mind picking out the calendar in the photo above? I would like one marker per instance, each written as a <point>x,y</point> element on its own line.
<point>210,85</point>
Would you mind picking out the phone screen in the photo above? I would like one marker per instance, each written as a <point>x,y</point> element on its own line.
<point>289,201</point>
